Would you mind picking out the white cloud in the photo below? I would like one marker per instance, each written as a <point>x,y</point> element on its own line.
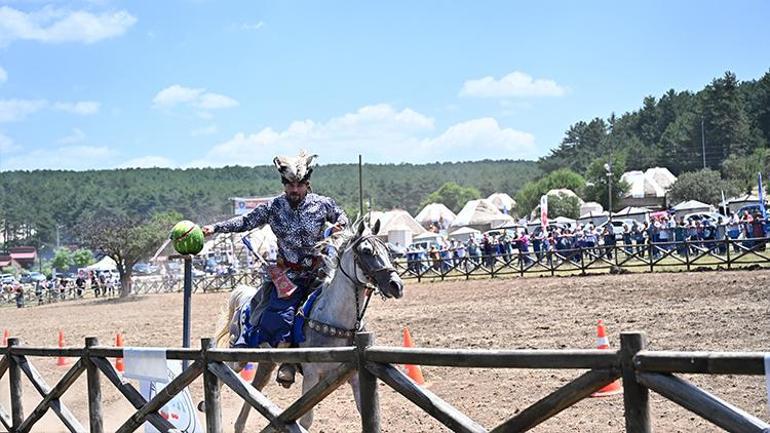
<point>381,134</point>
<point>148,162</point>
<point>77,136</point>
<point>195,97</point>
<point>13,110</point>
<point>515,84</point>
<point>82,107</point>
<point>256,26</point>
<point>3,75</point>
<point>51,25</point>
<point>65,157</point>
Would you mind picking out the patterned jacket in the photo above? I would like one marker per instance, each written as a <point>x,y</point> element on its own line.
<point>297,230</point>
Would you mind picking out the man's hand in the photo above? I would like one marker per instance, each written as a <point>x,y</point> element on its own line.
<point>208,230</point>
<point>337,228</point>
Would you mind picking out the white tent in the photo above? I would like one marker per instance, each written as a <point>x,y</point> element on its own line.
<point>105,264</point>
<point>595,217</point>
<point>480,214</point>
<point>503,201</point>
<point>433,213</point>
<point>639,214</point>
<point>690,206</point>
<point>464,233</point>
<point>661,176</point>
<point>641,185</point>
<point>591,207</point>
<point>564,220</point>
<point>397,226</point>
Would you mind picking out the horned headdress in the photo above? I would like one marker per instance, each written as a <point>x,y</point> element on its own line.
<point>295,168</point>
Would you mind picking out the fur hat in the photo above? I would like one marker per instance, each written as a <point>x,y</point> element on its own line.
<point>295,168</point>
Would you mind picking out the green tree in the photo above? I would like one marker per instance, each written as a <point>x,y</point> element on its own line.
<point>597,188</point>
<point>452,196</point>
<point>726,124</point>
<point>704,185</point>
<point>127,239</point>
<point>528,198</point>
<point>62,259</point>
<point>83,257</point>
<point>563,205</point>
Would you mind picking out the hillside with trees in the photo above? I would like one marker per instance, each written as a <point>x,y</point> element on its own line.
<point>724,127</point>
<point>38,205</point>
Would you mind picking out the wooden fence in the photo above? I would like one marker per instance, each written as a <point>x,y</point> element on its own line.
<point>641,371</point>
<point>620,258</point>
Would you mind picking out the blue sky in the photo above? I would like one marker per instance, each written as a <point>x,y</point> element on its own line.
<point>189,83</point>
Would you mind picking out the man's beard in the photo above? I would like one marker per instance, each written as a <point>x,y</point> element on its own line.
<point>294,198</point>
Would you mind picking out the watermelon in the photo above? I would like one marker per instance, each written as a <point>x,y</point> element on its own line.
<point>187,237</point>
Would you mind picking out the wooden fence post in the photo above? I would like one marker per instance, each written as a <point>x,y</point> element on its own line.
<point>211,386</point>
<point>727,245</point>
<point>687,253</point>
<point>95,418</point>
<point>370,399</point>
<point>636,398</point>
<point>14,377</point>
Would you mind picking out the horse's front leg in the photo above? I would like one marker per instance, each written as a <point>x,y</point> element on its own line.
<point>261,377</point>
<point>310,377</point>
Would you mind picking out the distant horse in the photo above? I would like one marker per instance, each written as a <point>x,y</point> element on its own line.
<point>361,263</point>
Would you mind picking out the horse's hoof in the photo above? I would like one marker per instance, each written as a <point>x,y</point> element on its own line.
<point>285,376</point>
<point>202,406</point>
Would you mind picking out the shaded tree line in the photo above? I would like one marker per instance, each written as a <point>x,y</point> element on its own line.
<point>40,205</point>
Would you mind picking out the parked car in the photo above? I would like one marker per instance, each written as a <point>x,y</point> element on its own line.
<point>712,217</point>
<point>617,226</point>
<point>7,279</point>
<point>510,231</point>
<point>142,268</point>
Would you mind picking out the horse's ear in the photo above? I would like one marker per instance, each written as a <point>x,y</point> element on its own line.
<point>376,227</point>
<point>361,228</point>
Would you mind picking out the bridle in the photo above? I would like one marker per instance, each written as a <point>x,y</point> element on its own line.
<point>368,273</point>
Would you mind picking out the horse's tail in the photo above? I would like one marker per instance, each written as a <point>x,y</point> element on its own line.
<point>228,317</point>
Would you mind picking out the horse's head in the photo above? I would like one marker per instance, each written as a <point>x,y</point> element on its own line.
<point>372,261</point>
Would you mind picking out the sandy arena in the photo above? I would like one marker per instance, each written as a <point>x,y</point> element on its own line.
<point>713,311</point>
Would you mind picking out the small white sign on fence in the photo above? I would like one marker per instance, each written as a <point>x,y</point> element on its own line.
<point>180,411</point>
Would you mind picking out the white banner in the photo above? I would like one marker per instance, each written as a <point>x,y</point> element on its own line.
<point>180,411</point>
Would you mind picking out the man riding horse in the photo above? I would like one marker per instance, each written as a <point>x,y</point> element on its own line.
<point>299,219</point>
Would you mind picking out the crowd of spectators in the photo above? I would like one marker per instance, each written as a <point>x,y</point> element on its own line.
<point>662,234</point>
<point>103,283</point>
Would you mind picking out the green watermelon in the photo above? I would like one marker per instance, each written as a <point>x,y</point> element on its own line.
<point>187,237</point>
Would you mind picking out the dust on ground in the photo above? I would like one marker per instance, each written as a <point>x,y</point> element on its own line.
<point>711,311</point>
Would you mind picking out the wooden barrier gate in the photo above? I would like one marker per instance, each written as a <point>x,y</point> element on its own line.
<point>640,369</point>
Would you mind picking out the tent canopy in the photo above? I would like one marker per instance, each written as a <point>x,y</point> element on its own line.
<point>662,176</point>
<point>396,219</point>
<point>433,213</point>
<point>105,264</point>
<point>464,231</point>
<point>502,201</point>
<point>591,207</point>
<point>631,210</point>
<point>642,185</point>
<point>691,205</point>
<point>479,213</point>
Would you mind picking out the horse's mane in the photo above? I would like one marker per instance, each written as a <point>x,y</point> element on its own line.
<point>328,249</point>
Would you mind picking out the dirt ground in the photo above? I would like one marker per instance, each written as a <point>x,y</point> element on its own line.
<point>712,311</point>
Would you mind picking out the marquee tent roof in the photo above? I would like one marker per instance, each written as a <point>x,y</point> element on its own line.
<point>503,201</point>
<point>661,176</point>
<point>105,264</point>
<point>480,212</point>
<point>396,219</point>
<point>433,213</point>
<point>631,210</point>
<point>691,205</point>
<point>642,185</point>
<point>591,207</point>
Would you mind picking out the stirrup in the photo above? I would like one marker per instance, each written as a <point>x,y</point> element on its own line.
<point>286,374</point>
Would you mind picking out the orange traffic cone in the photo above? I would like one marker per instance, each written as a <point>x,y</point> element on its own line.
<point>119,360</point>
<point>413,371</point>
<point>603,343</point>
<point>6,334</point>
<point>248,372</point>
<point>62,361</point>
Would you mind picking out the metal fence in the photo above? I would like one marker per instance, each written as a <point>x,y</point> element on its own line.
<point>619,258</point>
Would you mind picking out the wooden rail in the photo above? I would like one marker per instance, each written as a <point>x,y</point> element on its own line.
<point>641,370</point>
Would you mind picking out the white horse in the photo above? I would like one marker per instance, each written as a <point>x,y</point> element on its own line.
<point>361,263</point>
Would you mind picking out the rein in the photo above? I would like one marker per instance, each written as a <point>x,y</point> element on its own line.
<point>357,283</point>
